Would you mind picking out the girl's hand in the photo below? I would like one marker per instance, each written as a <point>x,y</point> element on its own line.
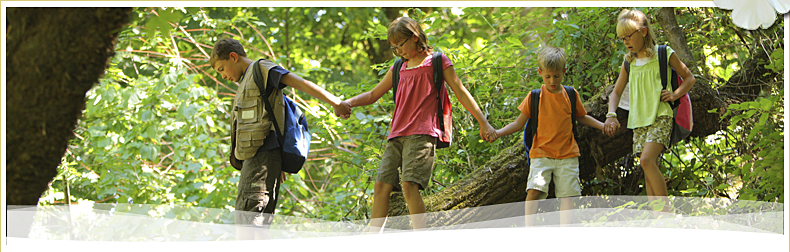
<point>488,133</point>
<point>343,110</point>
<point>611,126</point>
<point>667,96</point>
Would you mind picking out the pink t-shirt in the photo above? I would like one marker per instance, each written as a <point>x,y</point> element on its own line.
<point>416,106</point>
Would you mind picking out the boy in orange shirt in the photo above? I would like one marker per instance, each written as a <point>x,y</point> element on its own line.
<point>554,149</point>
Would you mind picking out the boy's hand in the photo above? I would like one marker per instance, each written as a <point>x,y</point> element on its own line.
<point>611,126</point>
<point>343,110</point>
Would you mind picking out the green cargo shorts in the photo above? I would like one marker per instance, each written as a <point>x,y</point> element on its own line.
<point>259,187</point>
<point>414,155</point>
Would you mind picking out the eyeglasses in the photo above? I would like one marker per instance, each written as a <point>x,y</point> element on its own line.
<point>395,48</point>
<point>629,36</point>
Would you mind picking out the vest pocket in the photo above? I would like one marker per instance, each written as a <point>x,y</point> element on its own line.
<point>247,111</point>
<point>249,137</point>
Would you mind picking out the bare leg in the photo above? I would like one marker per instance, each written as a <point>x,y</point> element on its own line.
<point>657,187</point>
<point>566,205</point>
<point>411,191</point>
<point>649,189</point>
<point>381,205</point>
<point>531,207</point>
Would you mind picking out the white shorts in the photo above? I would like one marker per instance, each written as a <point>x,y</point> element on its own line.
<point>566,176</point>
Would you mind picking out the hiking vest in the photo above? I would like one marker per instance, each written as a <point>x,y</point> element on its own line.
<point>249,121</point>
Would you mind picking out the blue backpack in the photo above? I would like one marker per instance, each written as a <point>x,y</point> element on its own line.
<point>295,139</point>
<point>532,123</point>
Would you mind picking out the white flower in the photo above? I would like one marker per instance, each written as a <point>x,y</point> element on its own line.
<point>751,14</point>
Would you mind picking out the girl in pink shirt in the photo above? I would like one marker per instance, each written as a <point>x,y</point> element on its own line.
<point>412,141</point>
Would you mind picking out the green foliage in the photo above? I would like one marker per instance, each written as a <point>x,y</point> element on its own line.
<point>155,129</point>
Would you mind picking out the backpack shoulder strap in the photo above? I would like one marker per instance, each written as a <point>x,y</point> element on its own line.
<point>572,97</point>
<point>396,76</point>
<point>259,81</point>
<point>627,66</point>
<point>662,63</point>
<point>438,80</point>
<point>438,72</point>
<point>534,108</point>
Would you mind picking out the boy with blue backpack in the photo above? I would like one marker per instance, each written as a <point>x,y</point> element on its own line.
<point>549,114</point>
<point>264,124</point>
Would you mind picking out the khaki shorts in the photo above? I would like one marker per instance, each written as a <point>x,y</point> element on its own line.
<point>259,187</point>
<point>564,171</point>
<point>658,132</point>
<point>414,155</point>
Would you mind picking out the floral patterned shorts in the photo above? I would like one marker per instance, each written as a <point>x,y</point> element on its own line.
<point>659,132</point>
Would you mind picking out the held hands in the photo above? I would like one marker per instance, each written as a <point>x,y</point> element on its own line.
<point>488,133</point>
<point>343,110</point>
<point>611,126</point>
<point>667,96</point>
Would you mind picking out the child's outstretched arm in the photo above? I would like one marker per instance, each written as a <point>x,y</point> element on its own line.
<point>688,80</point>
<point>513,127</point>
<point>372,96</point>
<point>314,90</point>
<point>612,125</point>
<point>591,121</point>
<point>487,132</point>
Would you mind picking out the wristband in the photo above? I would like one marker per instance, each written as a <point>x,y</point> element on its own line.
<point>611,114</point>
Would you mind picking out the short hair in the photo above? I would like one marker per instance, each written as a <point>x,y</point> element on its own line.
<point>223,48</point>
<point>403,28</point>
<point>551,58</point>
<point>629,21</point>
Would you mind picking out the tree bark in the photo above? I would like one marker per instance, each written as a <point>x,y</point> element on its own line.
<point>676,37</point>
<point>55,55</point>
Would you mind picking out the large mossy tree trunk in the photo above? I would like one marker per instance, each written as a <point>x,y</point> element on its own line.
<point>55,55</point>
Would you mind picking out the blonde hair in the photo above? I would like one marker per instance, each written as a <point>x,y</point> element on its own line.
<point>404,28</point>
<point>551,59</point>
<point>629,21</point>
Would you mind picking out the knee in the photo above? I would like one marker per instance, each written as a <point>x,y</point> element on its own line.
<point>533,194</point>
<point>648,162</point>
<point>381,189</point>
<point>410,187</point>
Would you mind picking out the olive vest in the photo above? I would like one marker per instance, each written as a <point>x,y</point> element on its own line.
<point>249,121</point>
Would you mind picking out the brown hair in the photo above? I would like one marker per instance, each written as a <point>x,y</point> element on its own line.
<point>223,48</point>
<point>404,28</point>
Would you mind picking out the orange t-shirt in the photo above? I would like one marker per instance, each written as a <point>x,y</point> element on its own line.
<point>554,137</point>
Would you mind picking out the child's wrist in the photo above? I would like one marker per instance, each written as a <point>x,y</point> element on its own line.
<point>611,115</point>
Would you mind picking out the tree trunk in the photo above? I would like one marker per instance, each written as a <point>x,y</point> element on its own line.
<point>55,55</point>
<point>381,53</point>
<point>676,37</point>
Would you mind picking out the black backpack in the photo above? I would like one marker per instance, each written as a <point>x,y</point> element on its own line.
<point>446,119</point>
<point>532,123</point>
